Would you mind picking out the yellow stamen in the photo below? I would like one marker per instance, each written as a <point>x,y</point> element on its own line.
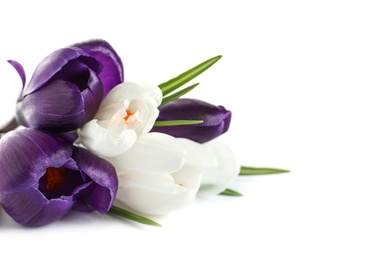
<point>129,114</point>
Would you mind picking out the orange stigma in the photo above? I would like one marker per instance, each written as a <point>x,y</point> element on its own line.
<point>55,177</point>
<point>129,114</point>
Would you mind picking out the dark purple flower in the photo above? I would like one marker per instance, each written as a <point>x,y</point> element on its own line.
<point>216,119</point>
<point>42,176</point>
<point>68,86</point>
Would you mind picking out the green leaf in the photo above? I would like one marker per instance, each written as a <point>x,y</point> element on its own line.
<point>132,216</point>
<point>177,122</point>
<point>178,94</point>
<point>185,77</point>
<point>230,192</point>
<point>260,171</point>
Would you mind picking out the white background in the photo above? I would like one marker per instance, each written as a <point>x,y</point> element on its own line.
<point>307,83</point>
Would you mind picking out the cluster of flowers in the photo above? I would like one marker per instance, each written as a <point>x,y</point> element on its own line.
<point>84,139</point>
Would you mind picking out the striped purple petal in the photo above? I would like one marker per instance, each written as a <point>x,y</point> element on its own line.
<point>112,72</point>
<point>216,119</point>
<point>52,65</point>
<point>103,175</point>
<point>57,106</point>
<point>31,208</point>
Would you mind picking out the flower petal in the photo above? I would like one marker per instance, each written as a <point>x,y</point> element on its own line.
<point>133,91</point>
<point>44,109</point>
<point>26,154</point>
<point>92,96</point>
<point>103,174</point>
<point>216,119</point>
<point>30,208</point>
<point>11,124</point>
<point>19,69</point>
<point>225,167</point>
<point>141,98</point>
<point>112,72</point>
<point>105,142</point>
<point>152,153</point>
<point>49,66</point>
<point>153,195</point>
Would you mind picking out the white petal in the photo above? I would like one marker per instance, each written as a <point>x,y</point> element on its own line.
<point>159,194</point>
<point>141,99</point>
<point>152,153</point>
<point>108,111</point>
<point>104,141</point>
<point>153,194</point>
<point>148,113</point>
<point>133,91</point>
<point>225,167</point>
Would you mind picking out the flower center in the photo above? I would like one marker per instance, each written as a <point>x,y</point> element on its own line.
<point>55,177</point>
<point>128,114</point>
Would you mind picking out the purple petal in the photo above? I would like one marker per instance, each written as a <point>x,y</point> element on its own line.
<point>92,96</point>
<point>19,69</point>
<point>49,66</point>
<point>10,125</point>
<point>30,208</point>
<point>103,174</point>
<point>58,107</point>
<point>25,155</point>
<point>216,119</point>
<point>77,72</point>
<point>112,73</point>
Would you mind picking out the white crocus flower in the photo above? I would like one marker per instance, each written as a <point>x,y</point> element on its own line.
<point>161,174</point>
<point>157,175</point>
<point>129,110</point>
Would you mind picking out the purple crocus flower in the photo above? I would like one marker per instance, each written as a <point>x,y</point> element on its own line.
<point>216,119</point>
<point>68,86</point>
<point>43,176</point>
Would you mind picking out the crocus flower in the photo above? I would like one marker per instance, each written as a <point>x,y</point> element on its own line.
<point>129,110</point>
<point>43,176</point>
<point>216,119</point>
<point>157,175</point>
<point>68,86</point>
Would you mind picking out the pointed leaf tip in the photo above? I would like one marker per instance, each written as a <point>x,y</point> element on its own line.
<point>185,77</point>
<point>230,192</point>
<point>260,171</point>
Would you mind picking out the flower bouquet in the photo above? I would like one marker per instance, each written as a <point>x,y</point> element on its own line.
<point>83,139</point>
